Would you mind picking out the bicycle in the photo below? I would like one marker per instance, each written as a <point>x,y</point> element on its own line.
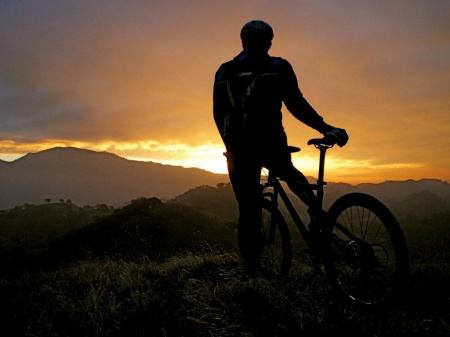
<point>359,242</point>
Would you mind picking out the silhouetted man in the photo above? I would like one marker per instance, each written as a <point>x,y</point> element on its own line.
<point>248,95</point>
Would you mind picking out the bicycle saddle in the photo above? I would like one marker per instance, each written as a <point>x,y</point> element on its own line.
<point>293,149</point>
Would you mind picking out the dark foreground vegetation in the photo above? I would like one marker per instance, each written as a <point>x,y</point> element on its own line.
<point>168,269</point>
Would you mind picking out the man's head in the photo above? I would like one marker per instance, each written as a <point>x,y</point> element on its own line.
<point>257,36</point>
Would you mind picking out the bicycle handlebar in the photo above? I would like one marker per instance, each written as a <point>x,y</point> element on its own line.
<point>327,141</point>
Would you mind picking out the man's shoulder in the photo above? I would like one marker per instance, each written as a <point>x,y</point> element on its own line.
<point>221,72</point>
<point>280,61</point>
<point>277,64</point>
<point>274,64</point>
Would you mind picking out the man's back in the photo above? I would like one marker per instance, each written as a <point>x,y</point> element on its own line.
<point>248,95</point>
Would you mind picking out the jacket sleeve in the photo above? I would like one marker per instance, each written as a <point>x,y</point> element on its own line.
<point>219,101</point>
<point>296,103</point>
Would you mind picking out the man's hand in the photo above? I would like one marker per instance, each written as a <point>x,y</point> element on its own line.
<point>340,135</point>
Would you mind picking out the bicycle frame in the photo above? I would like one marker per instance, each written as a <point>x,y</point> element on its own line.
<point>339,241</point>
<point>278,190</point>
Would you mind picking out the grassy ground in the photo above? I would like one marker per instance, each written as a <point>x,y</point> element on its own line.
<point>208,294</point>
<point>111,279</point>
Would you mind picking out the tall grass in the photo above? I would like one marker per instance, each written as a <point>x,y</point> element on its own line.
<point>208,294</point>
<point>117,288</point>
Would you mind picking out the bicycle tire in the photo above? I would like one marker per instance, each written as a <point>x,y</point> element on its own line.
<point>369,256</point>
<point>271,255</point>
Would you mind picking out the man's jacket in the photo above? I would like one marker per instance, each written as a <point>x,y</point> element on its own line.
<point>248,95</point>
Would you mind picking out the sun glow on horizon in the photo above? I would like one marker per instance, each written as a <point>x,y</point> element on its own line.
<point>203,157</point>
<point>209,156</point>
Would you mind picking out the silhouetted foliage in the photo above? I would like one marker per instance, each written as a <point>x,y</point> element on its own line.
<point>218,202</point>
<point>147,227</point>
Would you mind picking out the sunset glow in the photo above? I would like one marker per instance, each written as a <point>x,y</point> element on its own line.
<point>135,79</point>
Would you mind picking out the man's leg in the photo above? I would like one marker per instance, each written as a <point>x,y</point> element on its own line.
<point>296,180</point>
<point>245,173</point>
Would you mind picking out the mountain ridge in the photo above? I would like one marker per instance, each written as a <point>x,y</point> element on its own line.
<point>400,189</point>
<point>92,177</point>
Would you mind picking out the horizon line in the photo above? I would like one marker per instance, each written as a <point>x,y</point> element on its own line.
<point>11,158</point>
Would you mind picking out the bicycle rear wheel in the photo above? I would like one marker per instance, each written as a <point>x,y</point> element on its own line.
<point>369,256</point>
<point>271,255</point>
<point>276,247</point>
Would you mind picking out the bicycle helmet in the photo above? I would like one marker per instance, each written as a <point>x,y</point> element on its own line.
<point>257,28</point>
<point>257,35</point>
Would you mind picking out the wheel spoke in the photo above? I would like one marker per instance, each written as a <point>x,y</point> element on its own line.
<point>366,258</point>
<point>276,251</point>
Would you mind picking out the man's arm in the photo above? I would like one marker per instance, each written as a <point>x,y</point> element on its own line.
<point>219,103</point>
<point>296,103</point>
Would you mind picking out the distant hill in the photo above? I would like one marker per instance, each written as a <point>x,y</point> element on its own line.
<point>405,198</point>
<point>397,190</point>
<point>217,202</point>
<point>52,233</point>
<point>420,204</point>
<point>89,177</point>
<point>150,227</point>
<point>389,191</point>
<point>32,228</point>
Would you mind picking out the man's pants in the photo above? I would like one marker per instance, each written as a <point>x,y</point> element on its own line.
<point>245,174</point>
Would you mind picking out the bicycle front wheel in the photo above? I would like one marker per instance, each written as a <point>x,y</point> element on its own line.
<point>369,256</point>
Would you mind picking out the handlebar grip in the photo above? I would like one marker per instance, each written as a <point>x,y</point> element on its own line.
<point>327,141</point>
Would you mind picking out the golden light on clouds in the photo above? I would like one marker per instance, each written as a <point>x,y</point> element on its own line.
<point>207,156</point>
<point>135,79</point>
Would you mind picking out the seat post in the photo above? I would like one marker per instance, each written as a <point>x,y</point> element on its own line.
<point>320,181</point>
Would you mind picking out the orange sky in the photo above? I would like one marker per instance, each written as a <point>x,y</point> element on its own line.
<point>135,78</point>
